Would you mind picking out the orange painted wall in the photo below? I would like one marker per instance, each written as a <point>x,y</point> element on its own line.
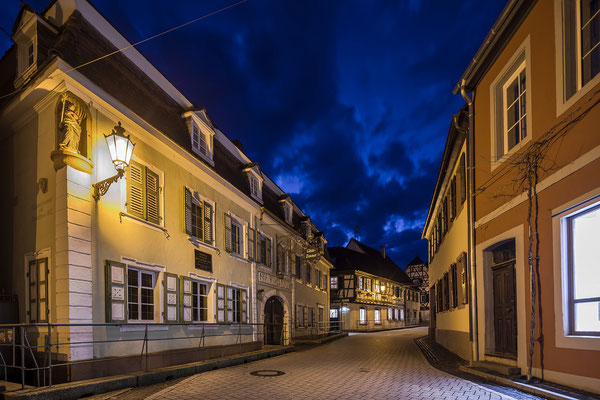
<point>495,188</point>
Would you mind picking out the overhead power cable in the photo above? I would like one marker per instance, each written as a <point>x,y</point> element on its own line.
<point>137,43</point>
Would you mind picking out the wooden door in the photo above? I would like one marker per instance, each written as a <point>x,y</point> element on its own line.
<point>505,313</point>
<point>273,321</point>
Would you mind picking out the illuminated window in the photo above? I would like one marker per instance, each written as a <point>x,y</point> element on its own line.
<point>199,302</point>
<point>363,315</point>
<point>377,316</point>
<point>582,233</point>
<point>334,313</point>
<point>140,295</point>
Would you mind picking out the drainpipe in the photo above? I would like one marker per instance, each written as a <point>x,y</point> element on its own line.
<point>473,315</point>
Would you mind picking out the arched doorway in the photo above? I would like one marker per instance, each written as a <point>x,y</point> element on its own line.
<point>273,320</point>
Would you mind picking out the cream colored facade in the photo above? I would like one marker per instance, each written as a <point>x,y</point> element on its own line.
<point>447,233</point>
<point>93,248</point>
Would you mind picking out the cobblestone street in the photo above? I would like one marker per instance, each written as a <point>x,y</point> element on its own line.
<point>383,365</point>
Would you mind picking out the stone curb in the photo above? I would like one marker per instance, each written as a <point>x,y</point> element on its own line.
<point>75,390</point>
<point>524,387</point>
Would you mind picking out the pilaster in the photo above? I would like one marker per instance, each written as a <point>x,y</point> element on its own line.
<point>74,260</point>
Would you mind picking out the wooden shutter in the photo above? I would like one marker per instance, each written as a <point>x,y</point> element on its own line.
<point>244,303</point>
<point>187,204</point>
<point>279,258</point>
<point>221,306</point>
<point>463,279</point>
<point>208,223</point>
<point>229,303</point>
<point>451,287</point>
<point>136,182</point>
<point>152,197</point>
<point>185,299</point>
<point>227,224</point>
<point>268,256</point>
<point>116,291</point>
<point>251,243</point>
<point>171,294</point>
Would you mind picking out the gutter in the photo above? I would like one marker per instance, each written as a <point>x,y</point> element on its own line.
<point>473,314</point>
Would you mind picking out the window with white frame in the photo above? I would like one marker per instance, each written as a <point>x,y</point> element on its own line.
<point>511,106</point>
<point>237,305</point>
<point>144,192</point>
<point>515,110</point>
<point>199,301</point>
<point>140,294</point>
<point>234,234</point>
<point>254,186</point>
<point>581,44</point>
<point>362,315</point>
<point>582,232</point>
<point>199,218</point>
<point>201,134</point>
<point>333,282</point>
<point>377,316</point>
<point>334,313</point>
<point>264,249</point>
<point>299,315</point>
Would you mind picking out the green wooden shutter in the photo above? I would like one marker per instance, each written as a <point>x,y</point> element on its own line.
<point>227,230</point>
<point>187,206</point>
<point>136,182</point>
<point>268,255</point>
<point>229,303</point>
<point>152,197</point>
<point>251,243</point>
<point>244,306</point>
<point>171,295</point>
<point>450,287</point>
<point>221,306</point>
<point>464,279</point>
<point>208,223</point>
<point>116,291</point>
<point>186,299</point>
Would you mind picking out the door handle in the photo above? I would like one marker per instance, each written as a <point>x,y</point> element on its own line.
<point>508,309</point>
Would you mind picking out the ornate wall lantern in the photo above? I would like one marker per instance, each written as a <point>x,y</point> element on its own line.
<point>121,150</point>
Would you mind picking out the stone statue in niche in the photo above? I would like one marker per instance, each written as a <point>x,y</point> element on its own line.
<point>72,116</point>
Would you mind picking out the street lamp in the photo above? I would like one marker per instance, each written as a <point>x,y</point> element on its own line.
<point>121,150</point>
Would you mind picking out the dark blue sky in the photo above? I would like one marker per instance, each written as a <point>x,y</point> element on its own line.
<point>345,104</point>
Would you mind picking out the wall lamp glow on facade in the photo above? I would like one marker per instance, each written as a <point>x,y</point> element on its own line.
<point>121,150</point>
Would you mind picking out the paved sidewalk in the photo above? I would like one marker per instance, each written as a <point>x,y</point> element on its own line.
<point>383,365</point>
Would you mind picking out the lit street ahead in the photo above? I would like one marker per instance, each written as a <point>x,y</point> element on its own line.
<point>382,365</point>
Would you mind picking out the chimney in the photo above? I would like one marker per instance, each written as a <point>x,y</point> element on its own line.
<point>383,251</point>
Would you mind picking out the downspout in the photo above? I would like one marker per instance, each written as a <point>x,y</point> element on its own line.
<point>473,315</point>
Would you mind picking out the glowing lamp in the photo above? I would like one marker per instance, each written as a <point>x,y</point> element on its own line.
<point>121,150</point>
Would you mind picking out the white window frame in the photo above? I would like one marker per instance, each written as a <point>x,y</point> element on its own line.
<point>331,280</point>
<point>506,130</point>
<point>242,225</point>
<point>204,132</point>
<point>207,296</point>
<point>563,337</point>
<point>334,313</point>
<point>155,304</point>
<point>362,315</point>
<point>497,102</point>
<point>262,264</point>
<point>197,198</point>
<point>377,316</point>
<point>255,182</point>
<point>563,104</point>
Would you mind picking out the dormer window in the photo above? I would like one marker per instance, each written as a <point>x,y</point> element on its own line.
<point>255,180</point>
<point>288,207</point>
<point>25,36</point>
<point>201,134</point>
<point>30,55</point>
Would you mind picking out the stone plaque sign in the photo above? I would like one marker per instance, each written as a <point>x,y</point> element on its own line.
<point>202,260</point>
<point>274,281</point>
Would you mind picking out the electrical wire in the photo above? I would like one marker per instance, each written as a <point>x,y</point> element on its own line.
<point>135,44</point>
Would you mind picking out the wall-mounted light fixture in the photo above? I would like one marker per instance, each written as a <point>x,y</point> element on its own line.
<point>121,150</point>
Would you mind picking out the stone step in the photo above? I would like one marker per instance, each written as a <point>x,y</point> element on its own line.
<point>508,370</point>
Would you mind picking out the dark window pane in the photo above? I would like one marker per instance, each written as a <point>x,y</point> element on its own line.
<point>132,277</point>
<point>146,280</point>
<point>147,312</point>
<point>133,311</point>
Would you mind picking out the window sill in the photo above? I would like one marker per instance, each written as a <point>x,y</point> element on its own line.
<point>142,327</point>
<point>204,157</point>
<point>512,152</point>
<point>199,243</point>
<point>239,258</point>
<point>143,222</point>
